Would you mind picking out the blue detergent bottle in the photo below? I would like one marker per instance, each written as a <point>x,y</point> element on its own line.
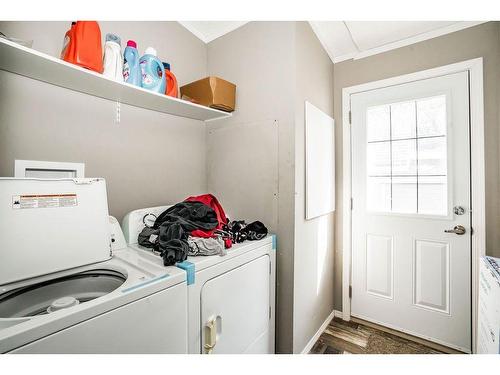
<point>153,72</point>
<point>131,69</point>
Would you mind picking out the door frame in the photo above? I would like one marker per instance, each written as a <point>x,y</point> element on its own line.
<point>474,67</point>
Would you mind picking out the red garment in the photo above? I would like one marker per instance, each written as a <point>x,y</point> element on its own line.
<point>214,204</point>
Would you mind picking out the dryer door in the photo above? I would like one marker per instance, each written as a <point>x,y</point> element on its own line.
<point>235,310</point>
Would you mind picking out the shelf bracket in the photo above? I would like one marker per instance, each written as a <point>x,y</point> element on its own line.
<point>118,112</point>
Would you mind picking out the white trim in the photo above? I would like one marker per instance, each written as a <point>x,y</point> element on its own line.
<point>475,69</point>
<point>477,183</point>
<point>407,41</point>
<point>316,336</point>
<point>346,204</point>
<point>20,167</point>
<point>338,314</point>
<point>347,56</point>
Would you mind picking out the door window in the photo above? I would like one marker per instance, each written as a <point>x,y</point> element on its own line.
<point>407,157</point>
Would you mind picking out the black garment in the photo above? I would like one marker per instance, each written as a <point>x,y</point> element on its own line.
<point>241,231</point>
<point>171,230</point>
<point>255,231</point>
<point>149,237</point>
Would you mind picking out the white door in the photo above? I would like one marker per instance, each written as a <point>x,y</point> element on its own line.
<point>410,187</point>
<point>235,310</point>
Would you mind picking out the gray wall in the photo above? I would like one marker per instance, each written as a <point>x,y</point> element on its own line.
<point>314,247</point>
<point>480,41</point>
<point>276,66</point>
<point>259,59</point>
<point>149,158</point>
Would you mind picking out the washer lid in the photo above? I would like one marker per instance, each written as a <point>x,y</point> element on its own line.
<point>60,293</point>
<point>51,225</point>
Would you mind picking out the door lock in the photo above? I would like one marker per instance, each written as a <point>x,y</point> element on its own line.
<point>458,229</point>
<point>459,210</point>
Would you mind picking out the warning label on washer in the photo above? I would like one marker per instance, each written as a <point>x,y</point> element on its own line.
<point>44,201</point>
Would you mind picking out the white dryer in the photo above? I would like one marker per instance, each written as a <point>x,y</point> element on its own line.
<point>62,288</point>
<point>231,298</point>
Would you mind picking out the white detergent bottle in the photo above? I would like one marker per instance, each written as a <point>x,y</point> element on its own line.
<point>112,61</point>
<point>153,72</point>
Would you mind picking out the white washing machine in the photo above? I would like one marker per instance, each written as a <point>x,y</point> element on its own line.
<point>488,322</point>
<point>62,287</point>
<point>231,298</point>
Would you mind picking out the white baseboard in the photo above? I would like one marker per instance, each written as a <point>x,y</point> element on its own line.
<point>316,336</point>
<point>338,314</point>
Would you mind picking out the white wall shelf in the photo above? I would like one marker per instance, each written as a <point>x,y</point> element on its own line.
<point>30,63</point>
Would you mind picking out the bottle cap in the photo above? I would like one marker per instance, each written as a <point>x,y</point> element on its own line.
<point>150,51</point>
<point>113,38</point>
<point>132,44</point>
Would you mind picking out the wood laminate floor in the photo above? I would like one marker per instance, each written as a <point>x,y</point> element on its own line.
<point>341,337</point>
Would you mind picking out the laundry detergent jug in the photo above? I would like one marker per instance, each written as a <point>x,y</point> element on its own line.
<point>153,72</point>
<point>82,45</point>
<point>131,68</point>
<point>172,88</point>
<point>113,63</point>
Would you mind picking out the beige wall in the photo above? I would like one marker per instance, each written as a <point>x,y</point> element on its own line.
<point>314,247</point>
<point>148,159</point>
<point>259,59</point>
<point>480,41</point>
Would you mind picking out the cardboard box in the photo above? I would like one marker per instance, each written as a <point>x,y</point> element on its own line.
<point>212,92</point>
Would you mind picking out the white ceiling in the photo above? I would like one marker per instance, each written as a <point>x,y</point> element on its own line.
<point>345,40</point>
<point>210,30</point>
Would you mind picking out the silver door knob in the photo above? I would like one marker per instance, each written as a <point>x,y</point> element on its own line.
<point>458,229</point>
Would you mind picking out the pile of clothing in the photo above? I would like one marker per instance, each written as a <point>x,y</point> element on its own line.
<point>196,226</point>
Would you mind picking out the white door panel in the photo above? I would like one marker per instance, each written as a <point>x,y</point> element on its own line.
<point>431,268</point>
<point>410,167</point>
<point>379,265</point>
<point>237,302</point>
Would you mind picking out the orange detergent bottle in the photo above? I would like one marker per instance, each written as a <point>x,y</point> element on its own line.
<point>82,45</point>
<point>171,89</point>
